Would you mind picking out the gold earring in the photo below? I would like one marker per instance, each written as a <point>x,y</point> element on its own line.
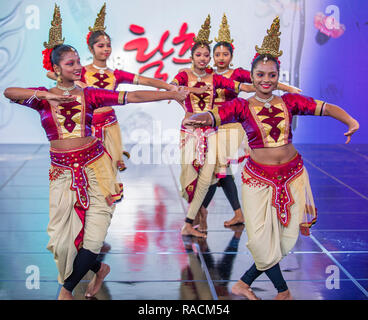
<point>231,64</point>
<point>58,79</point>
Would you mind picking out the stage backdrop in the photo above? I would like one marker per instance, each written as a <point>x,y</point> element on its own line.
<point>324,43</point>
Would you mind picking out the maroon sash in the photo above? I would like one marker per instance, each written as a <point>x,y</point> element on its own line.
<point>75,161</point>
<point>101,121</point>
<point>279,178</point>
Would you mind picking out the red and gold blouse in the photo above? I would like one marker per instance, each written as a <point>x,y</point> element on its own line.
<point>108,79</point>
<point>75,118</point>
<point>197,103</point>
<point>240,75</point>
<point>267,127</point>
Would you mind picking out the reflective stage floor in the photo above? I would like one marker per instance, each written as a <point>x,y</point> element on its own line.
<point>150,260</point>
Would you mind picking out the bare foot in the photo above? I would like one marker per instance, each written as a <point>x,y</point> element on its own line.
<point>242,289</point>
<point>188,230</point>
<point>203,219</point>
<point>97,280</point>
<point>65,294</point>
<point>105,247</point>
<point>285,295</point>
<point>237,219</point>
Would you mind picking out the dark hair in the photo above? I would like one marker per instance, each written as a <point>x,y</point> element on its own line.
<point>225,44</point>
<point>200,44</point>
<point>261,57</point>
<point>59,51</point>
<point>92,40</point>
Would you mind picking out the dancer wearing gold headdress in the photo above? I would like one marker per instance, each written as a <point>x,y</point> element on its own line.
<point>97,74</point>
<point>230,136</point>
<point>276,194</point>
<point>83,185</point>
<point>199,146</point>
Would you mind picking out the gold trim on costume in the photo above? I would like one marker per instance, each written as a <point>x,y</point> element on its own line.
<point>136,79</point>
<point>237,86</point>
<point>216,115</point>
<point>175,82</point>
<point>95,79</point>
<point>121,98</point>
<point>319,107</point>
<point>196,99</point>
<point>265,128</point>
<point>220,93</point>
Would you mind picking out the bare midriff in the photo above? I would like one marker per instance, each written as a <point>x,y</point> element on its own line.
<point>70,144</point>
<point>274,156</point>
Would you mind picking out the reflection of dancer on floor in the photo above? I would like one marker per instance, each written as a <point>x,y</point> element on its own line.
<point>231,135</point>
<point>198,147</point>
<point>220,271</point>
<point>97,74</point>
<point>277,199</point>
<point>194,284</point>
<point>83,186</point>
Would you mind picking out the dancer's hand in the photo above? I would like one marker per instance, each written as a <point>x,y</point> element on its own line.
<point>200,90</point>
<point>294,90</point>
<point>56,99</point>
<point>81,84</point>
<point>354,126</point>
<point>181,95</point>
<point>173,87</point>
<point>198,120</point>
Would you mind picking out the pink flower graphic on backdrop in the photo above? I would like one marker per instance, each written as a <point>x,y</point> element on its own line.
<point>328,25</point>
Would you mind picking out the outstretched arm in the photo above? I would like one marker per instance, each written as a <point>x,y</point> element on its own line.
<point>156,83</point>
<point>199,120</point>
<point>17,94</point>
<point>149,96</point>
<point>247,87</point>
<point>340,114</point>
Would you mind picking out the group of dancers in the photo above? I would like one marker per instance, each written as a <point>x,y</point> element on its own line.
<point>86,148</point>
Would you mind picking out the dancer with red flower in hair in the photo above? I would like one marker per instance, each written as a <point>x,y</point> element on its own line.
<point>97,74</point>
<point>83,185</point>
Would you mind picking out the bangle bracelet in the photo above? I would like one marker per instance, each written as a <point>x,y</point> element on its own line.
<point>213,124</point>
<point>33,97</point>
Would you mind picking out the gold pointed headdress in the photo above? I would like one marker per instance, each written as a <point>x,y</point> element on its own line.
<point>224,32</point>
<point>271,42</point>
<point>100,20</point>
<point>204,32</point>
<point>55,33</point>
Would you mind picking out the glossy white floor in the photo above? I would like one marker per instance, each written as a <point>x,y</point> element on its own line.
<point>150,260</point>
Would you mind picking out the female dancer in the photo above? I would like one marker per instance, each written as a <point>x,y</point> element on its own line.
<point>82,182</point>
<point>276,194</point>
<point>198,147</point>
<point>231,134</point>
<point>105,125</point>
